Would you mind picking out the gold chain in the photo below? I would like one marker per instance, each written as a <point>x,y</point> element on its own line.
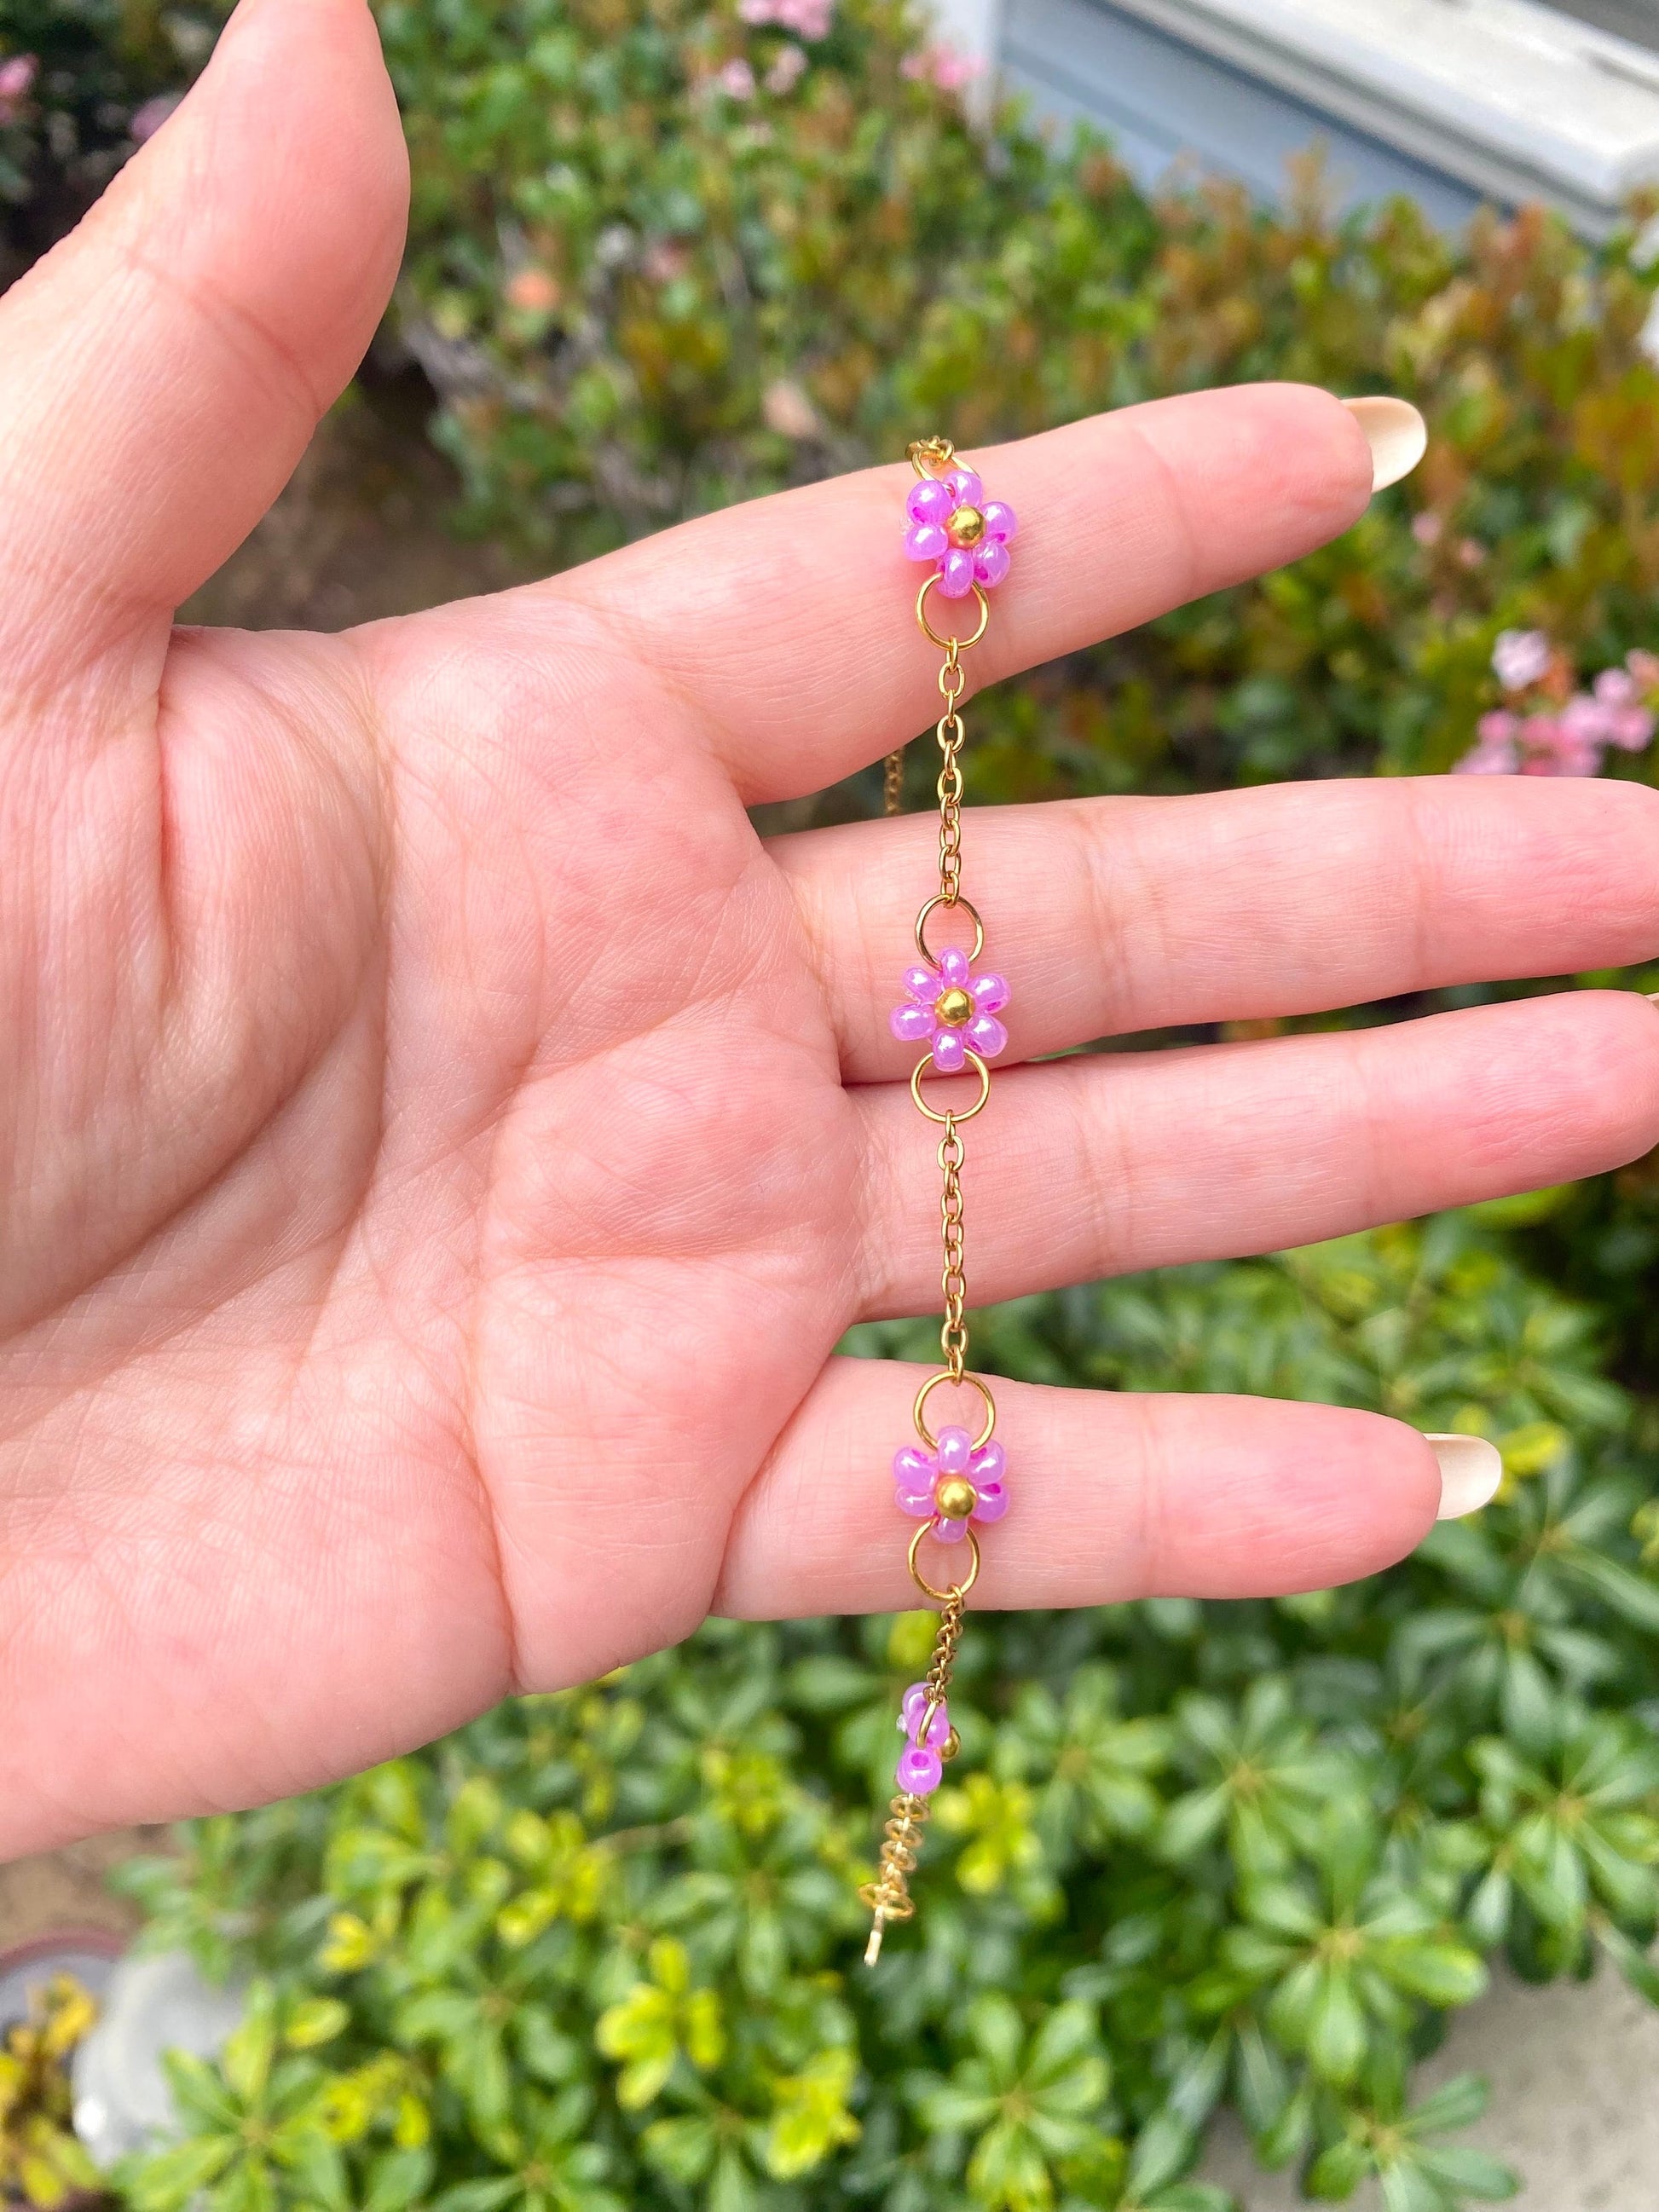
<point>953,1280</point>
<point>889,1895</point>
<point>892,783</point>
<point>952,679</point>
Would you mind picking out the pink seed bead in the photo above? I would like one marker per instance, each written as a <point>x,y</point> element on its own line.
<point>930,501</point>
<point>993,1501</point>
<point>988,1463</point>
<point>1001,521</point>
<point>925,541</point>
<point>991,993</point>
<point>919,1771</point>
<point>910,1713</point>
<point>950,1532</point>
<point>986,1036</point>
<point>991,563</point>
<point>922,984</point>
<point>966,486</point>
<point>956,1449</point>
<point>955,571</point>
<point>953,968</point>
<point>911,1025</point>
<point>949,1055</point>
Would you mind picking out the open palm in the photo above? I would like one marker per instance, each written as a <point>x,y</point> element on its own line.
<point>441,1143</point>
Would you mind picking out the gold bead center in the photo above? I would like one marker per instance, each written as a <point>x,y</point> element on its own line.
<point>955,1497</point>
<point>966,526</point>
<point>953,1007</point>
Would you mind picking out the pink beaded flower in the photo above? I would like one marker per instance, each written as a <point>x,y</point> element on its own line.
<point>920,1768</point>
<point>951,1010</point>
<point>952,523</point>
<point>956,1483</point>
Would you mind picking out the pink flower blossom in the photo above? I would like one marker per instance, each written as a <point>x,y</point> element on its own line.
<point>917,1475</point>
<point>943,66</point>
<point>950,520</point>
<point>1625,721</point>
<point>1521,658</point>
<point>808,19</point>
<point>1427,528</point>
<point>148,119</point>
<point>17,78</point>
<point>1558,744</point>
<point>952,1012</point>
<point>1497,753</point>
<point>787,70</point>
<point>736,80</point>
<point>1570,740</point>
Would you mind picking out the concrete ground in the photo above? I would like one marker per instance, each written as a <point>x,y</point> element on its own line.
<point>1574,2073</point>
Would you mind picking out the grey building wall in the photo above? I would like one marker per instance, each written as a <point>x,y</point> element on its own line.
<point>1161,99</point>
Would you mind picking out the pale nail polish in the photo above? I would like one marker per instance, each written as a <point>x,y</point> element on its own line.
<point>1470,1471</point>
<point>1396,434</point>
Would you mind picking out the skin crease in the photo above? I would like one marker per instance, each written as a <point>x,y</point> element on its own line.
<point>442,1145</point>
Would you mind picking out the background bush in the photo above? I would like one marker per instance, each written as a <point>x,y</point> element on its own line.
<point>600,1949</point>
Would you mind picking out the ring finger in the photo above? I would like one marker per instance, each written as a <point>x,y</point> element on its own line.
<point>1109,1164</point>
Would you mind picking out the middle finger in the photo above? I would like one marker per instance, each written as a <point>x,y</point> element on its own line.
<point>1110,916</point>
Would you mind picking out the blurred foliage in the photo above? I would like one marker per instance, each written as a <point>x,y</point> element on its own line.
<point>42,2163</point>
<point>597,1950</point>
<point>97,64</point>
<point>600,1949</point>
<point>640,296</point>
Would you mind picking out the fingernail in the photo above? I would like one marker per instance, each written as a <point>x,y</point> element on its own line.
<point>1470,1471</point>
<point>1396,434</point>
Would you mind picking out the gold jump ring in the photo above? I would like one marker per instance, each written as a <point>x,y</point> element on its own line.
<point>958,904</point>
<point>918,1411</point>
<point>958,1590</point>
<point>957,1115</point>
<point>951,644</point>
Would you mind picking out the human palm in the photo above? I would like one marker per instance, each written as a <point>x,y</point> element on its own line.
<point>443,1142</point>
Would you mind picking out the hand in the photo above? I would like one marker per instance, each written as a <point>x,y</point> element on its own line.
<point>441,1144</point>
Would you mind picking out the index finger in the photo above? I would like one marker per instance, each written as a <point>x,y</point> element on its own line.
<point>788,625</point>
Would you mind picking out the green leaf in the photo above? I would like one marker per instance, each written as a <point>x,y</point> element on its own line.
<point>252,2045</point>
<point>1336,2026</point>
<point>397,2178</point>
<point>1337,2172</point>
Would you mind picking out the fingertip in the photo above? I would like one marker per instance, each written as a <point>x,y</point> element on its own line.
<point>293,139</point>
<point>164,368</point>
<point>1395,434</point>
<point>1272,470</point>
<point>1322,1495</point>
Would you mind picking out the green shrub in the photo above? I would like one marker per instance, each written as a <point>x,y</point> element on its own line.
<point>601,1948</point>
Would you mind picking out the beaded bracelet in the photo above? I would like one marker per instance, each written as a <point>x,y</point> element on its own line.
<point>949,1483</point>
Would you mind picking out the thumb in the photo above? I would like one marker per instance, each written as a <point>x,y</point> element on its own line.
<point>162,369</point>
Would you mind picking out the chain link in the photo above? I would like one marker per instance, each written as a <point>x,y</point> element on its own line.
<point>892,783</point>
<point>952,681</point>
<point>953,1280</point>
